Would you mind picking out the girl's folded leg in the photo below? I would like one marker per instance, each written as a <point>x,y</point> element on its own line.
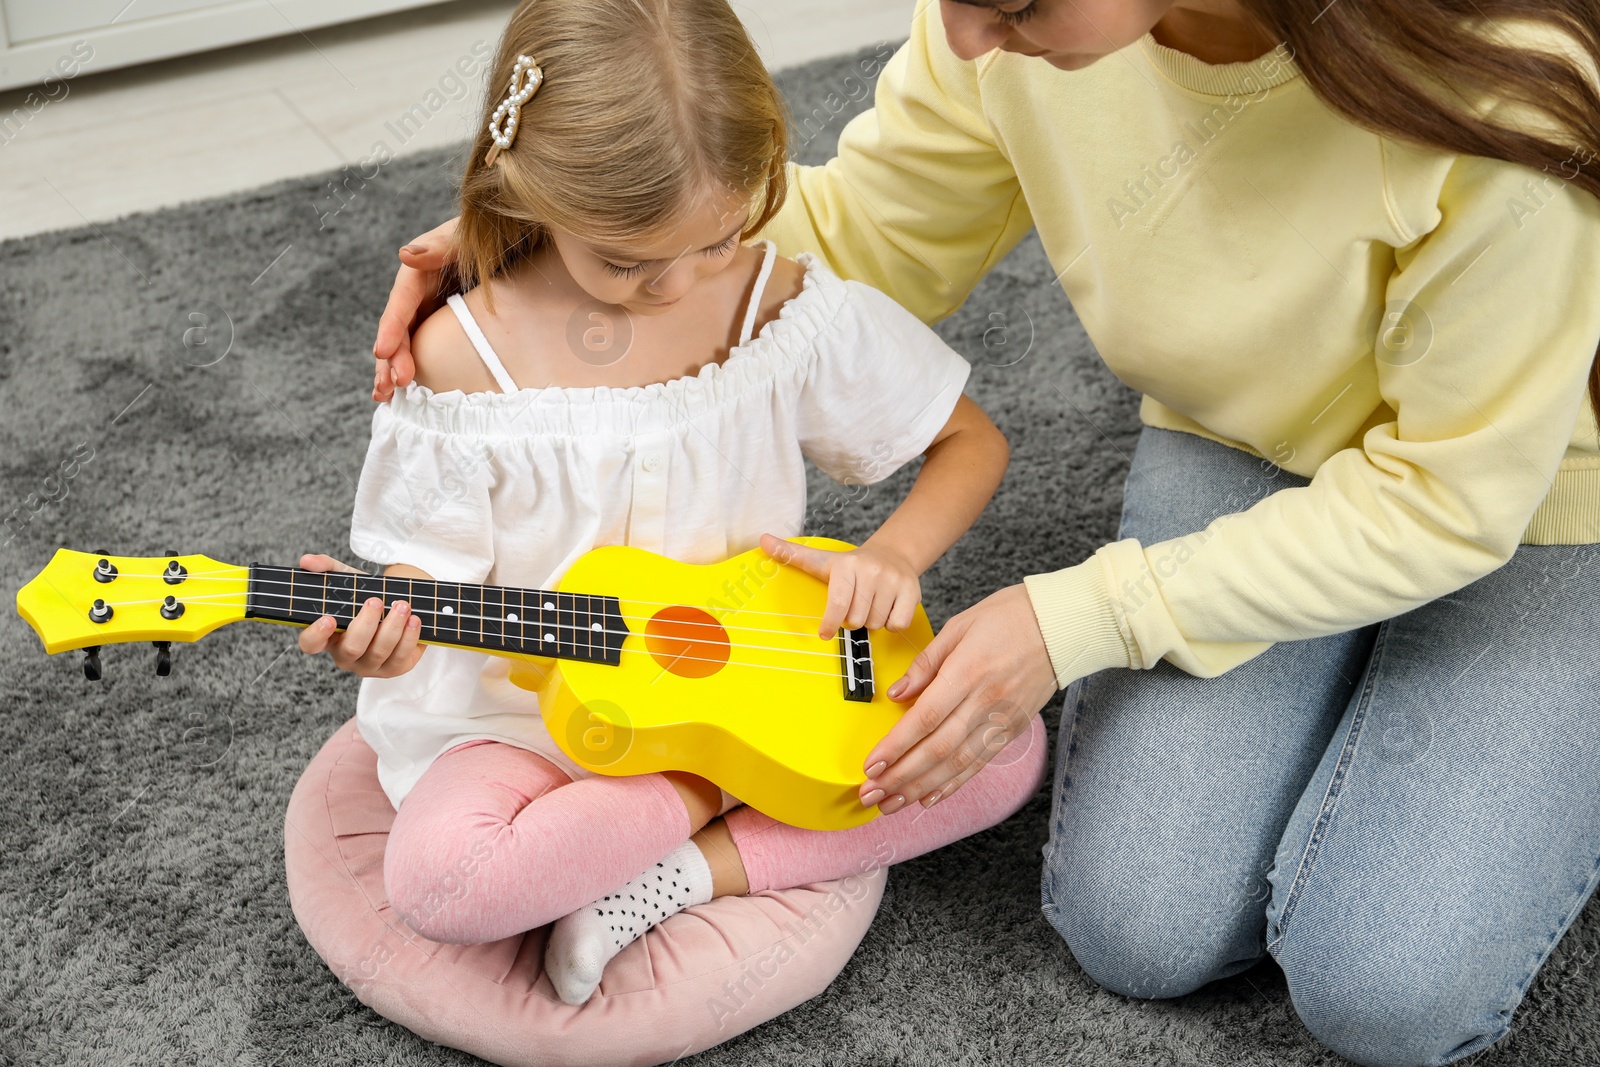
<point>779,856</point>
<point>774,855</point>
<point>494,840</point>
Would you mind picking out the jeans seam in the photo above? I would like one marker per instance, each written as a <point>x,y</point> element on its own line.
<point>1580,900</point>
<point>1330,798</point>
<point>1521,989</point>
<point>1064,744</point>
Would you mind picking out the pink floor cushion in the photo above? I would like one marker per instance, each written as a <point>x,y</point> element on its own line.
<point>698,979</point>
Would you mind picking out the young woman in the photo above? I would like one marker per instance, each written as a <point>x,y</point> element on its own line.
<point>1332,694</point>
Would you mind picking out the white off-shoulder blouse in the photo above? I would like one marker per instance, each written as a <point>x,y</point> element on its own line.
<point>509,488</point>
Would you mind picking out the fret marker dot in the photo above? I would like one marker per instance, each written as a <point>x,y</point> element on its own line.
<point>511,616</point>
<point>447,610</point>
<point>596,626</point>
<point>549,606</point>
<point>550,637</point>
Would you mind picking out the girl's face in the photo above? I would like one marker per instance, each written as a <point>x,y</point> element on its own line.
<point>1067,34</point>
<point>649,276</point>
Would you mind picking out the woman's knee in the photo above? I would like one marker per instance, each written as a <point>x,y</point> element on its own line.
<point>1382,1007</point>
<point>1135,939</point>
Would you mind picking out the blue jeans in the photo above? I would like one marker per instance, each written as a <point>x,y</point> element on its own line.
<point>1406,815</point>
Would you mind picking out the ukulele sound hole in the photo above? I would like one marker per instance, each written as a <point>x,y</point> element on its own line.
<point>687,642</point>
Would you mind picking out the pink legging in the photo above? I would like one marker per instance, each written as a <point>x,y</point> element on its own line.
<point>494,840</point>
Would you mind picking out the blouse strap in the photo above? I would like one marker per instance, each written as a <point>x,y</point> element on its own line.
<point>481,343</point>
<point>754,305</point>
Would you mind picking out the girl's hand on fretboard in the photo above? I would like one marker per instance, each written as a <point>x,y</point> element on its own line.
<point>373,646</point>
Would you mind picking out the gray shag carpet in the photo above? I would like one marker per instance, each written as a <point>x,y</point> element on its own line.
<point>143,913</point>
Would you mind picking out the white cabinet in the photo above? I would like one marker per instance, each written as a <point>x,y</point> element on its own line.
<point>43,42</point>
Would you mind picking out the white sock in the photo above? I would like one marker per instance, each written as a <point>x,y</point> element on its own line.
<point>581,944</point>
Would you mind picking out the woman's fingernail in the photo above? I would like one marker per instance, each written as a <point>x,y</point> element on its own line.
<point>892,805</point>
<point>413,623</point>
<point>876,769</point>
<point>932,798</point>
<point>872,798</point>
<point>896,689</point>
<point>415,250</point>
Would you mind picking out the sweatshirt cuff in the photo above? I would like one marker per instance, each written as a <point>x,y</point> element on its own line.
<point>1078,621</point>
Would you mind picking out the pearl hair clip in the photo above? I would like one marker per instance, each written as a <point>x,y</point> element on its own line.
<point>526,77</point>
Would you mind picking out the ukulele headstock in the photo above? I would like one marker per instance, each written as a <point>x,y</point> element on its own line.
<point>85,600</point>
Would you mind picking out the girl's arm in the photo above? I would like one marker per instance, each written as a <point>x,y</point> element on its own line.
<point>877,585</point>
<point>961,469</point>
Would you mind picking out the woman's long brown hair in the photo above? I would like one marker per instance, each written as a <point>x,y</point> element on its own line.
<point>1406,68</point>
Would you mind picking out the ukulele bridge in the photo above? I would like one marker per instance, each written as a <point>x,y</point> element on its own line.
<point>855,654</point>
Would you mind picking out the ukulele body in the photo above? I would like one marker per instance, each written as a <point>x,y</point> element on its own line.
<point>722,674</point>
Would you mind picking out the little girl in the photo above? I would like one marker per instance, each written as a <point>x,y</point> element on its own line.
<point>623,369</point>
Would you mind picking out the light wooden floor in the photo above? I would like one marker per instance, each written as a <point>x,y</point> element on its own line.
<point>197,126</point>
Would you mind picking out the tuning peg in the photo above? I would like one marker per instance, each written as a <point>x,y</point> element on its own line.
<point>105,570</point>
<point>91,663</point>
<point>163,657</point>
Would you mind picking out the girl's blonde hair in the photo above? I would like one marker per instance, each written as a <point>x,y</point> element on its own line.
<point>645,104</point>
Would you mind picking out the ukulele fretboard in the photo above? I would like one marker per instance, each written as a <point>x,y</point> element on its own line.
<point>495,618</point>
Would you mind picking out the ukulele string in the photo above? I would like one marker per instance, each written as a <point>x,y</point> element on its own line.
<point>193,576</point>
<point>626,617</point>
<point>832,675</point>
<point>443,640</point>
<point>217,600</point>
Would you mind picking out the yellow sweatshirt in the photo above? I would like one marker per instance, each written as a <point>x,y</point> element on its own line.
<point>1409,329</point>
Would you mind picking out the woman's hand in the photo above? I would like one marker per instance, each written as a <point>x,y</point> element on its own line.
<point>368,647</point>
<point>870,586</point>
<point>977,686</point>
<point>414,296</point>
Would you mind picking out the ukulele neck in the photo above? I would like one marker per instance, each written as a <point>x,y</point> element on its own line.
<point>489,618</point>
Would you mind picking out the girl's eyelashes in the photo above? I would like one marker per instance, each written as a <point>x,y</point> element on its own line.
<point>1012,18</point>
<point>715,250</point>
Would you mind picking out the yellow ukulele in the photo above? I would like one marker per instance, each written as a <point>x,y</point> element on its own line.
<point>716,670</point>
